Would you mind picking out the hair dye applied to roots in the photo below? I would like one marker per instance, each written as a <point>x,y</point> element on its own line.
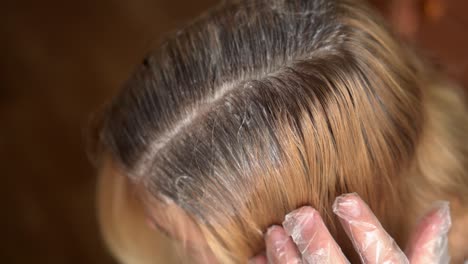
<point>259,107</point>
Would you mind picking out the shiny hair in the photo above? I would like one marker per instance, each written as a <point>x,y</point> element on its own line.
<point>259,107</point>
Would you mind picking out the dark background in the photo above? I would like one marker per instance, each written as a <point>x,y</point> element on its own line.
<point>60,60</point>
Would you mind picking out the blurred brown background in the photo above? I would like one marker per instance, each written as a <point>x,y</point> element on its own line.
<point>61,60</point>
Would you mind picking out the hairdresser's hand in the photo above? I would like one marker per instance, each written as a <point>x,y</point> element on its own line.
<point>304,238</point>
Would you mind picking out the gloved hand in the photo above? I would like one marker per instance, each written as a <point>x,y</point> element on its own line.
<point>304,238</point>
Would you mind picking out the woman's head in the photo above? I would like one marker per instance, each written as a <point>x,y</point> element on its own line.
<point>259,107</point>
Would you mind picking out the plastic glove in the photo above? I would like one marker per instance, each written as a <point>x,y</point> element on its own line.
<point>304,238</point>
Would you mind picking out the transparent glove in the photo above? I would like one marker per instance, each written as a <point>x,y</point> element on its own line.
<point>304,238</point>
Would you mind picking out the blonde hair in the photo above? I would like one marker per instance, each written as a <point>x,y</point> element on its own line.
<point>260,107</point>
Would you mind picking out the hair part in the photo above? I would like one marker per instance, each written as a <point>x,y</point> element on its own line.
<point>260,107</point>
